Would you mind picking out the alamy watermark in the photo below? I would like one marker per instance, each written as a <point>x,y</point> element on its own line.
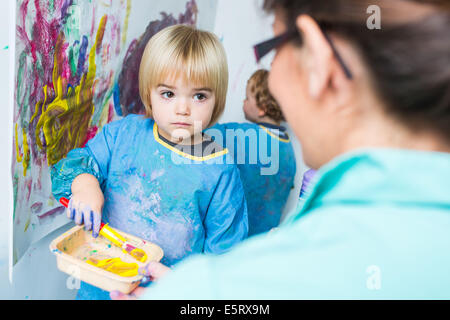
<point>73,282</point>
<point>250,146</point>
<point>374,20</point>
<point>373,281</point>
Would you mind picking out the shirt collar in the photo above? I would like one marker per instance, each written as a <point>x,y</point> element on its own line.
<point>390,176</point>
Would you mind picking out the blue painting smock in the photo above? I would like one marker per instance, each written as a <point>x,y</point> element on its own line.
<point>264,155</point>
<point>375,226</point>
<point>153,189</point>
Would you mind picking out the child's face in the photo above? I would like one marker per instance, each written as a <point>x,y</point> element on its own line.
<point>251,110</point>
<point>181,110</point>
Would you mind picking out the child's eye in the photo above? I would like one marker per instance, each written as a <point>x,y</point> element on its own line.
<point>199,96</point>
<point>167,94</point>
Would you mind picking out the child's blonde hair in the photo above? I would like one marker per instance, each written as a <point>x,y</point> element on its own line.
<point>182,50</point>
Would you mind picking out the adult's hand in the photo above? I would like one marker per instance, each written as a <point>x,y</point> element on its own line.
<point>152,272</point>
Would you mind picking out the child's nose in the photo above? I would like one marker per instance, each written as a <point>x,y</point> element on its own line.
<point>182,108</point>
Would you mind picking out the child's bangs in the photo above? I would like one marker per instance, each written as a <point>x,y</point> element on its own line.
<point>193,69</point>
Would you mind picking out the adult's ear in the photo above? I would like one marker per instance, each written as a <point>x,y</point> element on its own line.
<point>318,55</point>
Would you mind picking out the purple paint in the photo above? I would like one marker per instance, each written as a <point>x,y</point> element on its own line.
<point>36,207</point>
<point>128,82</point>
<point>82,58</point>
<point>50,214</point>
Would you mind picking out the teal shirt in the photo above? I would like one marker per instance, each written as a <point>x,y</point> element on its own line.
<point>376,226</point>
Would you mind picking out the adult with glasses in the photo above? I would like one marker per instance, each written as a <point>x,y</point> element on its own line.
<point>371,109</point>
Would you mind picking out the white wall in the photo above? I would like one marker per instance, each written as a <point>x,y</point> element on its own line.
<point>5,138</point>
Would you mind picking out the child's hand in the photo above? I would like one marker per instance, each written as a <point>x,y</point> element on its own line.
<point>86,204</point>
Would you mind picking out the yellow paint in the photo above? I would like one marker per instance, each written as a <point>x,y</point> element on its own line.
<point>116,266</point>
<point>125,24</point>
<point>18,155</point>
<point>113,236</point>
<point>27,224</point>
<point>26,152</point>
<point>25,156</point>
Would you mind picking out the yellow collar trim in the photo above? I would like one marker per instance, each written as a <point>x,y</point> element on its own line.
<point>183,154</point>
<point>273,135</point>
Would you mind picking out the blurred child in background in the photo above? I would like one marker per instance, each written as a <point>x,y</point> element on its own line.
<point>264,154</point>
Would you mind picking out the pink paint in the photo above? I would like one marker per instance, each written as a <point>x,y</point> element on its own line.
<point>105,54</point>
<point>93,22</point>
<point>90,134</point>
<point>36,207</point>
<point>110,112</point>
<point>28,184</point>
<point>118,40</point>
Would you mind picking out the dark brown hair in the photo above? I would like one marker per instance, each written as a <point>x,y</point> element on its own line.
<point>258,84</point>
<point>408,58</point>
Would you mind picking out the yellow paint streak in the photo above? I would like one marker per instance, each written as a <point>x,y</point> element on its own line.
<point>27,225</point>
<point>18,155</point>
<point>26,152</point>
<point>25,156</point>
<point>125,24</point>
<point>116,266</point>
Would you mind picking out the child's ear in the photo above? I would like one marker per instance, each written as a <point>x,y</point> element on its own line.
<point>261,112</point>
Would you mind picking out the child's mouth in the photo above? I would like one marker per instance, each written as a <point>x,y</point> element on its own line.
<point>181,124</point>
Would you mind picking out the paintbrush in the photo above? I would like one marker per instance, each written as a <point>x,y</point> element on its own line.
<point>113,236</point>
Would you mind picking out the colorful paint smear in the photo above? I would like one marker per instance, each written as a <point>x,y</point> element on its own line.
<point>63,76</point>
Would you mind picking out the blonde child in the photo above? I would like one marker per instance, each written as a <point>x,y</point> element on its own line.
<point>159,176</point>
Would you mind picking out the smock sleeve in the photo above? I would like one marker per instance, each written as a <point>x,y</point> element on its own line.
<point>94,159</point>
<point>226,221</point>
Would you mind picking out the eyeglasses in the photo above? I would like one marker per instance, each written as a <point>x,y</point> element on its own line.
<point>263,48</point>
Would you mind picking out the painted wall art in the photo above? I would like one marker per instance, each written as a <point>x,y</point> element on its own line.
<point>77,65</point>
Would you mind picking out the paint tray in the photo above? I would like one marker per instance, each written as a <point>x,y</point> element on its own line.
<point>74,247</point>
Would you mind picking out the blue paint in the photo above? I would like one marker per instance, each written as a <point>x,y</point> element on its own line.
<point>82,56</point>
<point>116,96</point>
<point>85,215</point>
<point>69,86</point>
